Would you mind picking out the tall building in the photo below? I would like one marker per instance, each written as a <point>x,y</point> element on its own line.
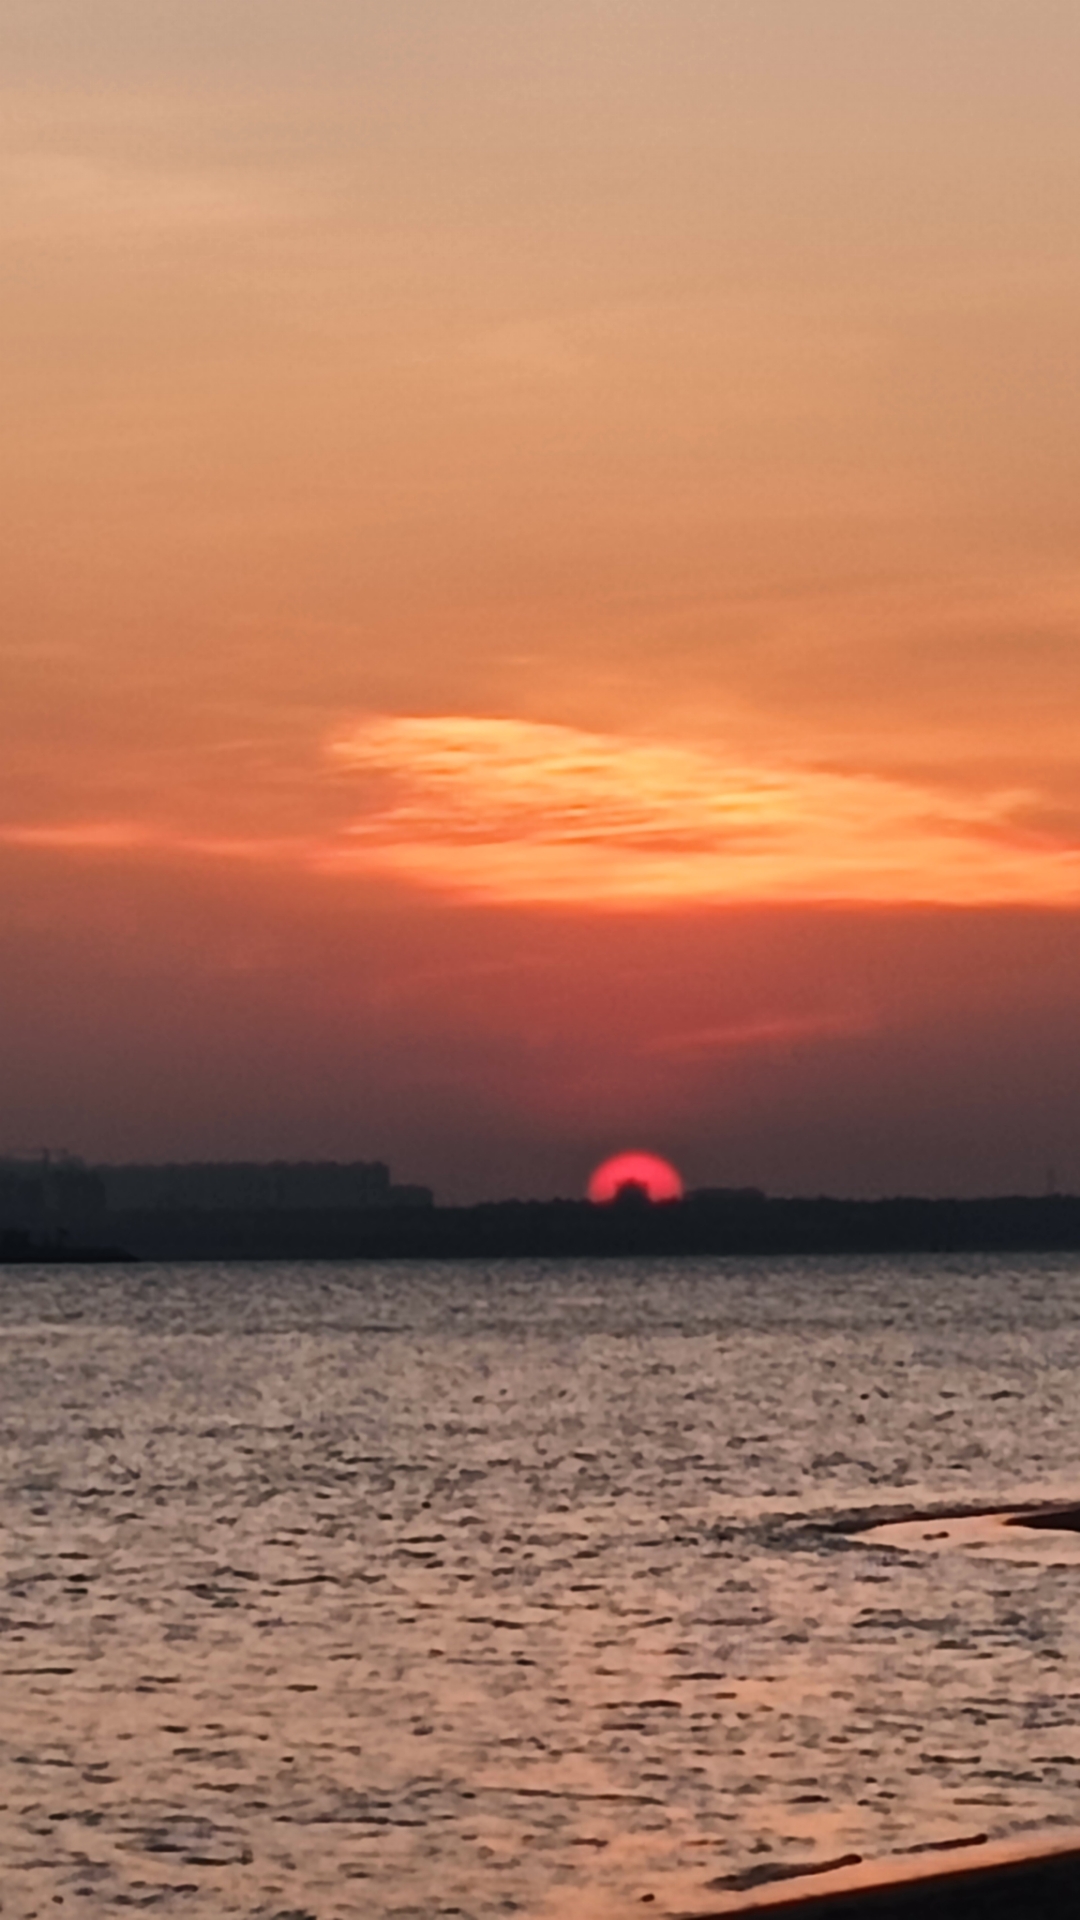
<point>49,1192</point>
<point>246,1186</point>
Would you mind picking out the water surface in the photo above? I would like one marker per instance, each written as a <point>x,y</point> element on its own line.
<point>433,1590</point>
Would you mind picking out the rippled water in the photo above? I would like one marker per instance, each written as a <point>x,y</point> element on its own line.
<point>481,1591</point>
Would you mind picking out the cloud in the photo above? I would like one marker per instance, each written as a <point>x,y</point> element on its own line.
<point>80,836</point>
<point>529,813</point>
<point>131,836</point>
<point>779,1032</point>
<point>534,813</point>
<point>82,198</point>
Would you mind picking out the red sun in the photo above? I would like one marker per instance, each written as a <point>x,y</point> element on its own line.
<point>658,1177</point>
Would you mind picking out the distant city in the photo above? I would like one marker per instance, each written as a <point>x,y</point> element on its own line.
<point>55,1207</point>
<point>163,1207</point>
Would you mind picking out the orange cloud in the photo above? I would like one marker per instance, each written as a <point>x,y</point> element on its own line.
<point>82,198</point>
<point>515,812</point>
<point>129,836</point>
<point>80,836</point>
<point>525,812</point>
<point>780,1031</point>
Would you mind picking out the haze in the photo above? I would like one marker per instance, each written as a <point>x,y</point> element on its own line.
<point>541,587</point>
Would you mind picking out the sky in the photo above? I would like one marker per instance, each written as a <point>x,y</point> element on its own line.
<point>541,588</point>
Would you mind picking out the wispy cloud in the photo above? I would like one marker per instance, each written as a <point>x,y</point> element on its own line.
<point>131,837</point>
<point>778,1032</point>
<point>527,813</point>
<point>80,836</point>
<point>58,194</point>
<point>521,811</point>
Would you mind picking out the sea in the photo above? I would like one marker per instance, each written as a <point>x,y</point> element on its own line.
<point>331,1592</point>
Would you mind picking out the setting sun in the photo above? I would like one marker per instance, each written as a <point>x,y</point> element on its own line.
<point>656,1177</point>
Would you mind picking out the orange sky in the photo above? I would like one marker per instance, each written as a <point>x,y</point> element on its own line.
<point>541,586</point>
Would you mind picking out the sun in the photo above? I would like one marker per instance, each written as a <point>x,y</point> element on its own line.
<point>643,1170</point>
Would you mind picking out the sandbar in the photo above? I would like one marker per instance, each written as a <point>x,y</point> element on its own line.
<point>1028,1880</point>
<point>1044,1534</point>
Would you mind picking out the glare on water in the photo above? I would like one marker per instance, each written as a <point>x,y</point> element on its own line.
<point>476,1591</point>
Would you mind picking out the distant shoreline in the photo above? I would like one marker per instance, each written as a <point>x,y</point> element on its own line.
<point>19,1249</point>
<point>737,1224</point>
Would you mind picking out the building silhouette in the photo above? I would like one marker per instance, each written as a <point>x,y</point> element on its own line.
<point>54,1195</point>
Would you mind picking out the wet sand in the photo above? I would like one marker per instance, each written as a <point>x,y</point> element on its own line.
<point>1039,1535</point>
<point>1004,1883</point>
